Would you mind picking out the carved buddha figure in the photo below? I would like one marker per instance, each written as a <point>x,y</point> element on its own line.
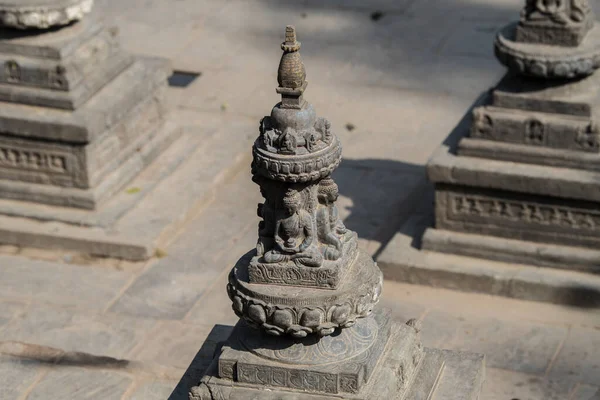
<point>294,235</point>
<point>559,11</point>
<point>330,228</point>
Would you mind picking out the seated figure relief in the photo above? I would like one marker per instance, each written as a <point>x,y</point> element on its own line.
<point>294,142</point>
<point>295,237</point>
<point>331,230</point>
<point>559,11</point>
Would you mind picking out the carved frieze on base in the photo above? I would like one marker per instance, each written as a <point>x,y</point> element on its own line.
<point>537,129</point>
<point>518,216</point>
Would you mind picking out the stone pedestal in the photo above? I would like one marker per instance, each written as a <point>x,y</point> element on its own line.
<point>306,295</point>
<point>528,169</point>
<point>522,184</point>
<point>79,119</point>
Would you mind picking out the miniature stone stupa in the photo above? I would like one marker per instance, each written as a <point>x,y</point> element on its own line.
<point>79,119</point>
<point>306,295</point>
<point>524,185</point>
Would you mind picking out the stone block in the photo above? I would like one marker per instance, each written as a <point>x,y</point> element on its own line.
<point>535,129</point>
<point>517,216</point>
<point>249,358</point>
<point>537,155</point>
<point>89,57</point>
<point>575,98</point>
<point>126,126</point>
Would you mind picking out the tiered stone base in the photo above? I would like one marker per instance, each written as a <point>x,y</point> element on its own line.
<point>80,119</point>
<point>375,359</point>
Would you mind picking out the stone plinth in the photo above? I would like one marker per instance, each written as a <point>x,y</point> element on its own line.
<point>374,359</point>
<point>528,167</point>
<point>80,118</point>
<point>521,185</point>
<point>306,296</point>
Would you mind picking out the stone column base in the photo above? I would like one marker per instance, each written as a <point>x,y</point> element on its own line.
<point>375,359</point>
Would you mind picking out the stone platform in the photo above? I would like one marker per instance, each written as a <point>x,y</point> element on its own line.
<point>382,360</point>
<point>420,255</point>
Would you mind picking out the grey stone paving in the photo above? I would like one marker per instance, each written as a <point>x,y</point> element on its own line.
<point>422,64</point>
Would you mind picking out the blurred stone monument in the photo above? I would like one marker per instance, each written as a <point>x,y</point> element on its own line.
<point>306,295</point>
<point>522,186</point>
<point>79,119</point>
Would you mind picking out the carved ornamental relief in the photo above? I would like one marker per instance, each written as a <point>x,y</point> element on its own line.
<point>563,12</point>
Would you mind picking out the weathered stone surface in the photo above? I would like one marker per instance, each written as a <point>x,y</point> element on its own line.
<point>579,353</point>
<point>59,283</point>
<point>78,331</point>
<point>578,98</point>
<point>17,376</point>
<point>42,14</point>
<point>91,384</point>
<point>176,344</point>
<point>586,392</point>
<point>474,272</point>
<point>503,384</point>
<point>155,390</point>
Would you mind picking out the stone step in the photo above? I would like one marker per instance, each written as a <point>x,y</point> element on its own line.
<point>402,261</point>
<point>512,251</point>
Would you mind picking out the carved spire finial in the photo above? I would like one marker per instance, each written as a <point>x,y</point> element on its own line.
<point>291,75</point>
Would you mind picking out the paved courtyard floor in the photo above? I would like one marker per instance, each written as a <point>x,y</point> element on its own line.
<point>394,85</point>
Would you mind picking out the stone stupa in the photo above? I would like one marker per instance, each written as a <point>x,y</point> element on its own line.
<point>306,295</point>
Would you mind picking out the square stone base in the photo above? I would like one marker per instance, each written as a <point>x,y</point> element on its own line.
<point>79,158</point>
<point>132,223</point>
<point>397,374</point>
